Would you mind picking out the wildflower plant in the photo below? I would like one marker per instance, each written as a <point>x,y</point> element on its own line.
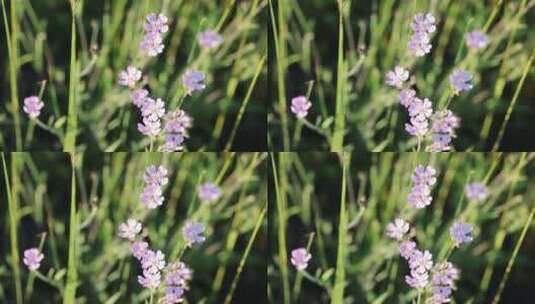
<point>200,59</point>
<point>356,61</point>
<point>108,244</point>
<point>399,227</point>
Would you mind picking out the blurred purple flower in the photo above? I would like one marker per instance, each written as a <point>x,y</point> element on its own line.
<point>397,229</point>
<point>423,23</point>
<point>406,97</point>
<point>406,249</point>
<point>300,258</point>
<point>130,76</point>
<point>417,279</point>
<point>476,192</point>
<point>177,124</point>
<point>443,128</point>
<point>152,111</point>
<point>156,175</point>
<point>461,80</point>
<point>419,112</point>
<point>176,280</point>
<point>32,106</point>
<point>156,23</point>
<point>33,258</point>
<point>461,233</point>
<point>193,233</point>
<point>443,278</point>
<point>139,248</point>
<point>397,77</point>
<point>151,263</point>
<point>300,106</point>
<point>476,39</point>
<point>209,39</point>
<point>149,128</point>
<point>193,81</point>
<point>155,27</point>
<point>209,192</point>
<point>173,143</point>
<point>419,263</point>
<point>139,96</point>
<point>130,229</point>
<point>151,196</point>
<point>422,180</point>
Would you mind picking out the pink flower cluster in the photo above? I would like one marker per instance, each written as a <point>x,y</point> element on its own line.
<point>154,267</point>
<point>300,258</point>
<point>33,258</point>
<point>155,27</point>
<point>444,124</point>
<point>155,178</point>
<point>300,106</point>
<point>209,192</point>
<point>422,181</point>
<point>423,25</point>
<point>32,106</point>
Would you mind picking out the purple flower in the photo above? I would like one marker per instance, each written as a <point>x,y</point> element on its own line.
<point>32,106</point>
<point>419,44</point>
<point>151,196</point>
<point>422,26</point>
<point>461,233</point>
<point>151,263</point>
<point>419,263</point>
<point>406,249</point>
<point>173,143</point>
<point>406,97</point>
<point>397,77</point>
<point>151,45</point>
<point>193,233</point>
<point>176,280</point>
<point>422,180</point>
<point>300,258</point>
<point>139,248</point>
<point>209,39</point>
<point>476,192</point>
<point>152,111</point>
<point>444,277</point>
<point>33,258</point>
<point>155,27</point>
<point>149,127</point>
<point>423,23</point>
<point>130,229</point>
<point>461,80</point>
<point>139,96</point>
<point>397,229</point>
<point>300,106</point>
<point>177,124</point>
<point>130,76</point>
<point>209,192</point>
<point>443,127</point>
<point>419,112</point>
<point>156,24</point>
<point>156,175</point>
<point>193,81</point>
<point>417,279</point>
<point>476,39</point>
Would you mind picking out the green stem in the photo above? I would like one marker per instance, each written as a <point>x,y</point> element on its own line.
<point>337,143</point>
<point>12,201</point>
<point>259,222</point>
<point>259,70</point>
<point>338,292</point>
<point>509,267</point>
<point>72,118</point>
<point>72,276</point>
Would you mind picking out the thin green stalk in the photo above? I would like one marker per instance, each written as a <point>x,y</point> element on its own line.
<point>70,288</point>
<point>259,222</point>
<point>509,267</point>
<point>72,118</point>
<point>12,202</point>
<point>281,231</point>
<point>12,49</point>
<point>339,283</point>
<point>279,38</point>
<point>337,143</point>
<point>259,70</point>
<point>513,103</point>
